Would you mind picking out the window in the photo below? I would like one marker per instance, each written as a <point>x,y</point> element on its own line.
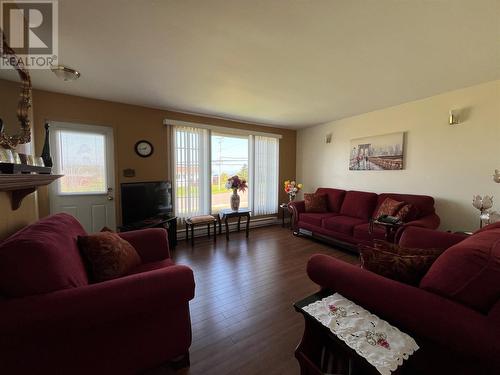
<point>229,158</point>
<point>191,174</point>
<point>82,161</point>
<point>266,175</point>
<point>203,161</point>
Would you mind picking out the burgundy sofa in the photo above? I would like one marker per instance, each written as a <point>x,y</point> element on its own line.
<point>52,321</point>
<point>454,314</point>
<point>349,214</point>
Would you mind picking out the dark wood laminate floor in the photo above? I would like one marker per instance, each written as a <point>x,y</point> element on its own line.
<point>242,316</point>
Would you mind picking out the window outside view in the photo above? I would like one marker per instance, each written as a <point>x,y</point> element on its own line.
<point>82,162</point>
<point>229,156</point>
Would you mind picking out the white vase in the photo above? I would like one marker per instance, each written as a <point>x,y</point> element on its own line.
<point>235,200</point>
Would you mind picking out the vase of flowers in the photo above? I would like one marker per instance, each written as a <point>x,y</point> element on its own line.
<point>292,188</point>
<point>236,184</point>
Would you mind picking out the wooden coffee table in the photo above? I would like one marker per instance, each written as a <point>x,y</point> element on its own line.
<point>228,214</point>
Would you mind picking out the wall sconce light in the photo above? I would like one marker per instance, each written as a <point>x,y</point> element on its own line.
<point>453,118</point>
<point>328,138</point>
<point>496,176</point>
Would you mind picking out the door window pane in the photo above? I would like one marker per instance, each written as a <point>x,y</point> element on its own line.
<point>229,158</point>
<point>82,161</point>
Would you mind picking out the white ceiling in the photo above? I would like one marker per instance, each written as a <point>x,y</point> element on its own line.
<point>290,63</point>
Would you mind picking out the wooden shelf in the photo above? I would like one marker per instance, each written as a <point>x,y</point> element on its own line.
<point>21,185</point>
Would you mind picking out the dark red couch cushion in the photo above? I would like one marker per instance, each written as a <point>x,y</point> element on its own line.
<point>315,202</point>
<point>342,224</point>
<point>359,204</point>
<point>468,272</point>
<point>315,218</point>
<point>362,232</point>
<point>335,197</point>
<point>43,257</point>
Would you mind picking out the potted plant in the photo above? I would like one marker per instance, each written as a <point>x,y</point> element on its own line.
<point>236,184</point>
<point>292,188</point>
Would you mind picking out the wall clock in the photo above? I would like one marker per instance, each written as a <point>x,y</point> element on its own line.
<point>144,149</point>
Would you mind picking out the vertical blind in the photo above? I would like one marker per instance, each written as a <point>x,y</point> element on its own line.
<point>191,187</point>
<point>265,175</point>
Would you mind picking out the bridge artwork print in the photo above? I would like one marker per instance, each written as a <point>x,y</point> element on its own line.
<point>382,152</point>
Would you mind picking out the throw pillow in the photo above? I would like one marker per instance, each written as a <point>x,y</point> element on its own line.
<point>108,256</point>
<point>407,213</point>
<point>315,202</point>
<point>396,249</point>
<point>389,207</point>
<point>401,264</point>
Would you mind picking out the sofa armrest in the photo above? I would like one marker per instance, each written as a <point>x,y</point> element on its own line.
<point>98,305</point>
<point>296,208</point>
<point>416,311</point>
<point>424,238</point>
<point>151,243</point>
<point>431,221</point>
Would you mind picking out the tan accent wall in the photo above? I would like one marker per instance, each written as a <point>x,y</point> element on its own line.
<point>132,123</point>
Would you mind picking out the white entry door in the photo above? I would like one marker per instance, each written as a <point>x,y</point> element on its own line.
<point>84,155</point>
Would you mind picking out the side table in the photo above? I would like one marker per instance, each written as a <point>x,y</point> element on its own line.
<point>321,352</point>
<point>390,228</point>
<point>228,213</point>
<point>284,210</point>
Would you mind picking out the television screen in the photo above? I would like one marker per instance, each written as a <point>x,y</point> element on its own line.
<point>145,200</point>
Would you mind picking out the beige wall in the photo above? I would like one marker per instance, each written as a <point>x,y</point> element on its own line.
<point>450,163</point>
<point>133,123</point>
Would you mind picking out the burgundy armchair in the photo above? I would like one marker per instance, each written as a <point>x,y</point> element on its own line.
<point>53,321</point>
<point>454,314</point>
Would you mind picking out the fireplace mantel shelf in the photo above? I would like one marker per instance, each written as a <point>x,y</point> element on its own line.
<point>21,185</point>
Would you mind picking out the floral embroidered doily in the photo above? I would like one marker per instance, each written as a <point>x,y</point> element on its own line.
<point>382,345</point>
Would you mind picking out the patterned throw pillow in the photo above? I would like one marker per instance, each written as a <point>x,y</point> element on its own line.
<point>389,207</point>
<point>407,213</point>
<point>108,256</point>
<point>315,202</point>
<point>406,265</point>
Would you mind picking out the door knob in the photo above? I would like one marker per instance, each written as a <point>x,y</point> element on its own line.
<point>110,194</point>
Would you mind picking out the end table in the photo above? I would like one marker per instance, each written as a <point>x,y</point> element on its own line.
<point>284,210</point>
<point>390,228</point>
<point>228,213</point>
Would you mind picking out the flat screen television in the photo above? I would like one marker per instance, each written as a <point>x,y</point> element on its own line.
<point>145,200</point>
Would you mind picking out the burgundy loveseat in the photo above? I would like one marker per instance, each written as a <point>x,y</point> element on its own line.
<point>52,321</point>
<point>454,314</point>
<point>349,213</point>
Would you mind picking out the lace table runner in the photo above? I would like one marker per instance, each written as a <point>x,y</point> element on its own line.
<point>382,345</point>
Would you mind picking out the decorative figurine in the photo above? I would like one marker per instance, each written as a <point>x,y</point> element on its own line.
<point>47,159</point>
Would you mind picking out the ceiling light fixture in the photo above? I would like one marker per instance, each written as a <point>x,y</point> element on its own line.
<point>65,73</point>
